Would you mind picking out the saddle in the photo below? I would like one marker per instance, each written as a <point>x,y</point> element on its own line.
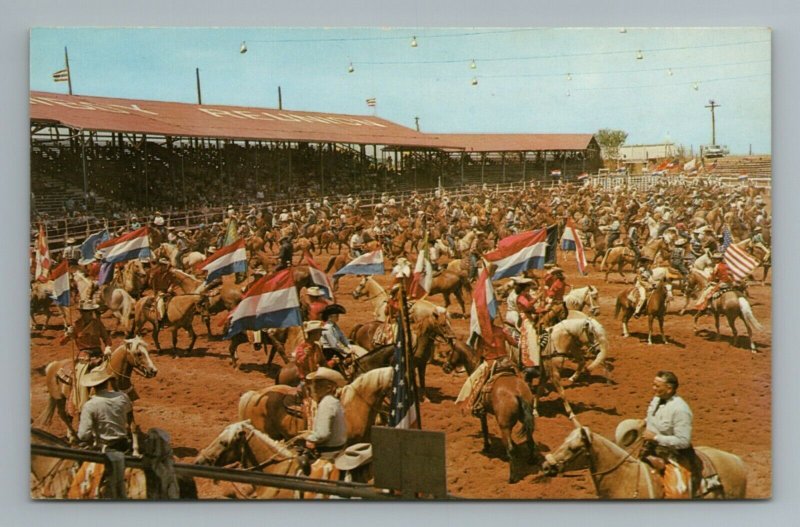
<point>500,368</point>
<point>679,479</point>
<point>673,273</point>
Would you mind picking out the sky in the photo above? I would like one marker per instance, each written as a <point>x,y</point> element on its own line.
<point>525,80</point>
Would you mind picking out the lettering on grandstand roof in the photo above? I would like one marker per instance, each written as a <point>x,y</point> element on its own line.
<point>289,117</point>
<point>92,106</point>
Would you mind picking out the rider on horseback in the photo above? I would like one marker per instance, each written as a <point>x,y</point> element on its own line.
<point>720,278</point>
<point>335,345</point>
<point>639,292</point>
<point>633,241</point>
<point>89,336</point>
<point>554,288</point>
<point>677,258</point>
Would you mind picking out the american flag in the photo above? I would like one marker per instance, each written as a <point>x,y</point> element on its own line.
<point>371,102</point>
<point>739,262</point>
<point>404,395</point>
<point>727,238</point>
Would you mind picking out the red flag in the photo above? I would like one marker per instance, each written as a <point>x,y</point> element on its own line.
<point>43,262</point>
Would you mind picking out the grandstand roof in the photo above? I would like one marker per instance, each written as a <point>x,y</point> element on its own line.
<point>518,142</point>
<point>217,121</point>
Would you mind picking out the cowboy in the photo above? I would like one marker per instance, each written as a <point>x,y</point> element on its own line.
<point>317,303</point>
<point>158,222</point>
<point>329,434</point>
<point>356,244</point>
<point>677,258</point>
<point>72,252</point>
<point>553,293</point>
<point>90,336</point>
<point>639,292</point>
<point>521,283</point>
<point>613,232</point>
<point>633,241</point>
<point>721,277</point>
<point>106,418</point>
<point>285,253</point>
<point>696,243</point>
<point>335,345</point>
<point>475,254</point>
<point>309,347</point>
<point>757,240</point>
<point>668,433</point>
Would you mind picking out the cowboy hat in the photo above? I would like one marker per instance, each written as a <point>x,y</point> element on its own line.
<point>259,271</point>
<point>549,265</point>
<point>163,261</point>
<point>327,374</point>
<point>680,242</point>
<point>716,256</point>
<point>88,306</point>
<point>314,291</point>
<point>211,249</point>
<point>628,432</point>
<point>334,309</point>
<point>555,270</point>
<point>313,325</point>
<point>95,377</point>
<point>355,456</point>
<point>70,241</point>
<point>521,280</point>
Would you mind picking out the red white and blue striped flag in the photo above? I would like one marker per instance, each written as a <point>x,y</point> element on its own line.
<point>370,263</point>
<point>527,250</point>
<point>270,302</point>
<point>484,307</point>
<point>422,279</point>
<point>60,277</point>
<point>403,413</point>
<point>319,277</point>
<point>739,262</point>
<point>727,238</point>
<point>571,241</point>
<point>130,246</point>
<point>228,260</point>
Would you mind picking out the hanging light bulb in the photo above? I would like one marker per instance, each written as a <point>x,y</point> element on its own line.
<point>569,76</point>
<point>243,48</point>
<point>472,65</point>
<point>669,72</point>
<point>623,30</point>
<point>474,81</point>
<point>569,94</point>
<point>413,42</point>
<point>695,86</point>
<point>639,55</point>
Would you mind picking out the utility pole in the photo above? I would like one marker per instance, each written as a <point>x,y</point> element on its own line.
<point>280,99</point>
<point>711,104</point>
<point>199,96</point>
<point>416,122</point>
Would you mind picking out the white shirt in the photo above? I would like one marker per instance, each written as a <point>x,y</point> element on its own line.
<point>671,421</point>
<point>512,315</point>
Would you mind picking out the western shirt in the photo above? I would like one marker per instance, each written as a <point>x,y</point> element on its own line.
<point>671,421</point>
<point>330,427</point>
<point>105,416</point>
<point>333,337</point>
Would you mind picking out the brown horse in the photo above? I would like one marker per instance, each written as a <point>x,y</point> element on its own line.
<point>334,264</point>
<point>510,400</point>
<point>42,301</point>
<point>655,308</point>
<point>176,313</point>
<point>448,283</point>
<point>130,356</point>
<point>617,257</point>
<point>733,304</point>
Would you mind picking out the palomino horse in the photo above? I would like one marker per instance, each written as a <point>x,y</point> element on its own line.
<point>169,251</point>
<point>567,339</point>
<point>132,278</point>
<point>577,299</point>
<point>376,294</point>
<point>175,312</point>
<point>130,356</point>
<point>510,401</point>
<point>619,475</point>
<point>733,305</point>
<point>654,251</point>
<point>121,305</point>
<point>617,257</point>
<point>655,306</point>
<point>447,283</point>
<point>361,400</point>
<point>42,301</point>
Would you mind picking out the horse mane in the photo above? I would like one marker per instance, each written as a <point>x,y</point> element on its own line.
<point>379,378</point>
<point>278,446</point>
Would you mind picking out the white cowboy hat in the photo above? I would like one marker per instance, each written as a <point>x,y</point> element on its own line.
<point>701,230</point>
<point>314,291</point>
<point>88,306</point>
<point>680,242</point>
<point>70,241</point>
<point>327,374</point>
<point>313,325</point>
<point>211,249</point>
<point>95,377</point>
<point>521,280</point>
<point>163,261</point>
<point>355,456</point>
<point>628,432</point>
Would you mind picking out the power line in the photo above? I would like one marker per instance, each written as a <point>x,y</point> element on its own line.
<point>696,81</point>
<point>404,37</point>
<point>586,73</point>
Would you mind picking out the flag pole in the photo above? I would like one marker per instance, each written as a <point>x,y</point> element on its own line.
<point>69,73</point>
<point>410,373</point>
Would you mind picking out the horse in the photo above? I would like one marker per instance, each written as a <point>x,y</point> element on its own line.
<point>695,283</point>
<point>654,249</point>
<point>130,356</point>
<point>619,475</point>
<point>448,282</point>
<point>361,400</point>
<point>576,299</point>
<point>185,283</point>
<point>376,294</point>
<point>655,307</point>
<point>703,262</point>
<point>619,257</point>
<point>509,399</point>
<point>187,261</point>
<point>41,302</point>
<point>132,278</point>
<point>733,305</point>
<point>121,305</point>
<point>177,313</point>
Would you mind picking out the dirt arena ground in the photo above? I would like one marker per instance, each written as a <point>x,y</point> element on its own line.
<point>729,390</point>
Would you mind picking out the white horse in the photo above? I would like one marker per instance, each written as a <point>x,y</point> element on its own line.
<point>170,251</point>
<point>86,286</point>
<point>375,293</point>
<point>463,244</point>
<point>703,262</point>
<point>578,298</point>
<point>121,305</point>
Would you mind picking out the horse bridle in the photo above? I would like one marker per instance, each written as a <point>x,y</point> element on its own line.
<point>134,367</point>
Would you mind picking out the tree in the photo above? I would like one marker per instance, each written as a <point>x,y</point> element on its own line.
<point>610,141</point>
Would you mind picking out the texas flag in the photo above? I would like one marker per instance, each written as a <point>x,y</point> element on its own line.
<point>422,279</point>
<point>571,241</point>
<point>130,246</point>
<point>60,277</point>
<point>42,257</point>
<point>228,260</point>
<point>370,263</point>
<point>270,302</point>
<point>484,307</point>
<point>319,277</point>
<point>526,250</point>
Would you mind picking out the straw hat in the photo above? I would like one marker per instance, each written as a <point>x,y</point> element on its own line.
<point>628,432</point>
<point>314,291</point>
<point>521,280</point>
<point>680,242</point>
<point>327,374</point>
<point>355,456</point>
<point>313,325</point>
<point>95,377</point>
<point>88,306</point>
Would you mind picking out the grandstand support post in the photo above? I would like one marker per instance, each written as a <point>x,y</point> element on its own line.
<point>483,165</point>
<point>462,168</point>
<point>85,177</point>
<point>524,162</point>
<point>544,170</point>
<point>503,161</point>
<point>322,170</point>
<point>199,95</point>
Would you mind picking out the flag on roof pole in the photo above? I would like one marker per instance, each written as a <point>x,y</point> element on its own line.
<point>527,250</point>
<point>422,279</point>
<point>739,262</point>
<point>270,302</point>
<point>318,277</point>
<point>130,246</point>
<point>372,102</point>
<point>404,411</point>
<point>571,241</point>
<point>370,263</point>
<point>42,257</point>
<point>89,246</point>
<point>484,307</point>
<point>61,76</point>
<point>227,260</point>
<point>60,278</point>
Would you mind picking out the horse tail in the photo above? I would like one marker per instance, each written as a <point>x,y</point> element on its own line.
<point>525,414</point>
<point>331,261</point>
<point>605,258</point>
<point>602,340</point>
<point>617,308</point>
<point>47,416</point>
<point>747,314</point>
